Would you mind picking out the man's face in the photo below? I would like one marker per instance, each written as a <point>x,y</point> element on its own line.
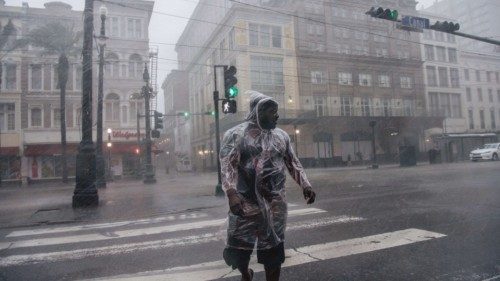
<point>268,117</point>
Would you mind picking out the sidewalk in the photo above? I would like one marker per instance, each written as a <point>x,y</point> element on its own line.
<point>129,199</point>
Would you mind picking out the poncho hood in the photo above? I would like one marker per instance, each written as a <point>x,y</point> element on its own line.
<point>257,99</point>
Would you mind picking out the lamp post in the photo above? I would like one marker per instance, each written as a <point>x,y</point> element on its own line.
<point>109,145</point>
<point>374,159</point>
<point>147,93</point>
<point>85,193</point>
<point>101,40</point>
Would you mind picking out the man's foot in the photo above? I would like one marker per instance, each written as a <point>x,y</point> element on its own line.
<point>248,276</point>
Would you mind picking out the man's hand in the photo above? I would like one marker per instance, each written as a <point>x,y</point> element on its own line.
<point>309,195</point>
<point>235,202</point>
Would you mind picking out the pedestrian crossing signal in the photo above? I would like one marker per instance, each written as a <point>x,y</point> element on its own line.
<point>228,106</point>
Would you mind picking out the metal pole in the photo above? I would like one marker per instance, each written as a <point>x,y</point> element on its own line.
<point>85,193</point>
<point>139,146</point>
<point>483,39</point>
<point>100,180</point>
<point>374,162</point>
<point>149,176</point>
<point>218,187</point>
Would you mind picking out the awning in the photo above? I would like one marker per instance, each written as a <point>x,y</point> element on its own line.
<point>122,147</point>
<point>50,149</point>
<point>9,151</point>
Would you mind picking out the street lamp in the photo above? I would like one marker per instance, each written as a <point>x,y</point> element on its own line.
<point>85,194</point>
<point>374,159</point>
<point>101,41</point>
<point>147,94</point>
<point>109,145</point>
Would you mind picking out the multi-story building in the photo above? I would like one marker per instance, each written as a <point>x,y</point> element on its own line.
<point>32,83</point>
<point>332,69</point>
<point>479,17</point>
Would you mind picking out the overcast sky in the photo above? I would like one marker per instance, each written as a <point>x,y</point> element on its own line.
<point>164,30</point>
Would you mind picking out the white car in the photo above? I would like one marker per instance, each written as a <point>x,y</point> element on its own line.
<point>490,151</point>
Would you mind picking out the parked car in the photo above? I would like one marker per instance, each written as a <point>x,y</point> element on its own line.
<point>490,151</point>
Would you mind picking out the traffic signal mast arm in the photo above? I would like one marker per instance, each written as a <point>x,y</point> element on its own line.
<point>447,27</point>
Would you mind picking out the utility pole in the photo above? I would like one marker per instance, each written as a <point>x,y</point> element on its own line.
<point>374,159</point>
<point>149,175</point>
<point>218,187</point>
<point>85,193</point>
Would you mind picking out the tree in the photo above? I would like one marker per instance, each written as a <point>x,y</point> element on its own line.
<point>58,39</point>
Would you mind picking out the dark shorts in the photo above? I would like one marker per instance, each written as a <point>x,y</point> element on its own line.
<point>270,258</point>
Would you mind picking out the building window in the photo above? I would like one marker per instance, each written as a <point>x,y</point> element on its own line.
<point>265,35</point>
<point>488,76</point>
<point>454,77</point>
<point>441,53</point>
<point>78,117</point>
<point>492,118</point>
<point>9,75</point>
<point>452,55</point>
<point>366,107</point>
<point>231,39</point>
<point>384,81</point>
<point>345,106</point>
<point>112,108</point>
<point>434,104</point>
<point>56,117</point>
<point>134,28</point>
<point>478,76</point>
<point>136,106</point>
<point>443,76</point>
<point>124,114</point>
<point>498,96</point>
<point>36,117</point>
<point>431,76</point>
<point>407,107</point>
<point>471,119</point>
<point>490,95</point>
<point>113,22</point>
<point>468,94</point>
<point>481,119</point>
<point>7,117</point>
<point>266,71</point>
<point>318,77</point>
<point>345,78</point>
<point>456,106</point>
<point>386,105</point>
<point>36,77</point>
<point>497,76</point>
<point>479,94</point>
<point>365,80</point>
<point>381,52</point>
<point>466,74</point>
<point>444,103</point>
<point>429,52</point>
<point>112,67</point>
<point>320,105</point>
<point>405,82</point>
<point>135,67</point>
<point>78,77</point>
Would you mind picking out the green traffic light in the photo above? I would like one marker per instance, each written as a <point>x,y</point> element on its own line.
<point>393,15</point>
<point>233,92</point>
<point>186,114</point>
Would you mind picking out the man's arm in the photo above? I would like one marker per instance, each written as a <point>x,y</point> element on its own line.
<point>297,172</point>
<point>229,159</point>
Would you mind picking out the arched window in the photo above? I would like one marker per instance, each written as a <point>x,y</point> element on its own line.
<point>135,66</point>
<point>112,107</point>
<point>112,65</point>
<point>136,106</point>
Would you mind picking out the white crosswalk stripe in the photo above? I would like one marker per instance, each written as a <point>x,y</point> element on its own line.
<point>27,247</point>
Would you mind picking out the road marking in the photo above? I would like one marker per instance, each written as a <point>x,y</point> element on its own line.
<point>92,237</point>
<point>104,225</point>
<point>16,260</point>
<point>493,278</point>
<point>302,255</point>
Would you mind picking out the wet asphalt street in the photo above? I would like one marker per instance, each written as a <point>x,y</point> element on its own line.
<point>439,222</point>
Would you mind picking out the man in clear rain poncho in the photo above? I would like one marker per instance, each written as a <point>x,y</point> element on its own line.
<point>254,156</point>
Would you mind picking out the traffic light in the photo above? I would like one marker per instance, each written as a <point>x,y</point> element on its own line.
<point>381,13</point>
<point>184,113</point>
<point>445,26</point>
<point>210,113</point>
<point>158,120</point>
<point>229,106</point>
<point>230,89</point>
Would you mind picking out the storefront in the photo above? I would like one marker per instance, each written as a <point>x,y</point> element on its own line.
<point>45,161</point>
<point>10,164</point>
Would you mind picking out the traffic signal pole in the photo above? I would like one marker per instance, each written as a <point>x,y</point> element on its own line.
<point>218,187</point>
<point>483,39</point>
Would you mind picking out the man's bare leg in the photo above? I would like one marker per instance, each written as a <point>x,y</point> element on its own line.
<point>273,274</point>
<point>246,273</point>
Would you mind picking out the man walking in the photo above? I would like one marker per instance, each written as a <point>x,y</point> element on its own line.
<point>253,157</point>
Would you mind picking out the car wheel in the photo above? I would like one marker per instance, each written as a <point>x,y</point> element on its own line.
<point>494,157</point>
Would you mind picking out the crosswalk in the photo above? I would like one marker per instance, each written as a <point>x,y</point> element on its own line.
<point>43,246</point>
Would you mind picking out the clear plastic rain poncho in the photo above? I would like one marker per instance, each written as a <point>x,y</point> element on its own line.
<point>253,162</point>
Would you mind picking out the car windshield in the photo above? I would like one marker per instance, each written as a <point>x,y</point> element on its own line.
<point>230,140</point>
